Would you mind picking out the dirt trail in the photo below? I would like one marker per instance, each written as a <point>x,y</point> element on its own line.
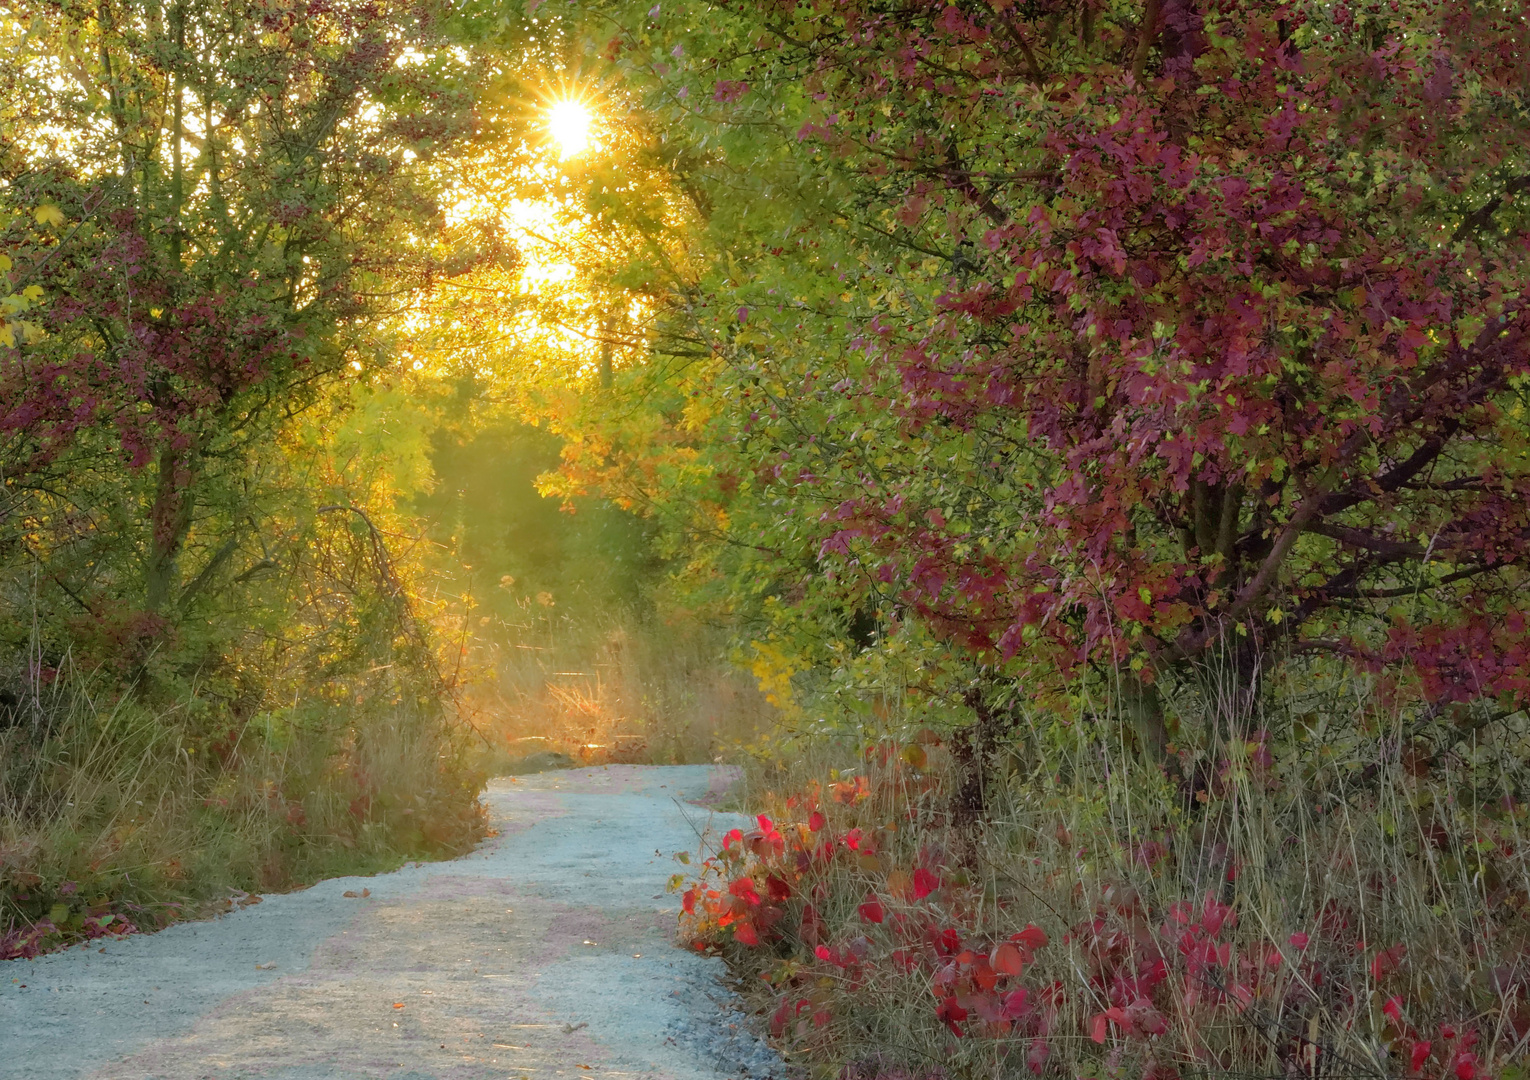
<point>546,952</point>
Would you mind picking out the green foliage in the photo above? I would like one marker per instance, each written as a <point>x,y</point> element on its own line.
<point>894,389</point>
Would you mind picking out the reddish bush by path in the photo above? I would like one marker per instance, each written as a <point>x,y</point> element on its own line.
<point>66,924</point>
<point>1086,951</point>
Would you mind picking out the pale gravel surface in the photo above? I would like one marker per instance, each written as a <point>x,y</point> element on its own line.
<point>546,952</point>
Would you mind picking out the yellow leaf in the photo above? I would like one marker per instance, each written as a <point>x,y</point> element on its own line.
<point>5,263</point>
<point>48,214</point>
<point>33,292</point>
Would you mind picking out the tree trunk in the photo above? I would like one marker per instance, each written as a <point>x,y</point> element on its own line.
<point>1142,705</point>
<point>974,750</point>
<point>607,329</point>
<point>170,522</point>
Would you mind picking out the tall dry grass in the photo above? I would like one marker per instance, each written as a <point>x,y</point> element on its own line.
<point>1330,894</point>
<point>118,814</point>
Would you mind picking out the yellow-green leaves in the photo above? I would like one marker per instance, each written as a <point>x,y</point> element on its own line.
<point>14,329</point>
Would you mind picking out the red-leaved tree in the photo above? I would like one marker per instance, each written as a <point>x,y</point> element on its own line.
<point>1241,286</point>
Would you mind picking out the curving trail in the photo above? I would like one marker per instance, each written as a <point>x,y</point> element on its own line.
<point>546,952</point>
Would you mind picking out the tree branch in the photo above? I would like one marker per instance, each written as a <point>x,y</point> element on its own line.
<point>1482,217</point>
<point>1389,550</point>
<point>1147,33</point>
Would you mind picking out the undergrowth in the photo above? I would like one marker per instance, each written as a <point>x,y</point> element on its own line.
<point>1335,896</point>
<point>119,814</point>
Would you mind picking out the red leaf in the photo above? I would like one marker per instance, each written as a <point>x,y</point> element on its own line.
<point>812,926</point>
<point>1145,1019</point>
<point>1016,1004</point>
<point>1387,961</point>
<point>872,911</point>
<point>1007,960</point>
<point>987,1008</point>
<point>1036,1057</point>
<point>744,934</point>
<point>1215,914</point>
<point>1099,1027</point>
<point>816,821</point>
<point>1418,1055</point>
<point>951,1014</point>
<point>924,883</point>
<point>983,976</point>
<point>1032,937</point>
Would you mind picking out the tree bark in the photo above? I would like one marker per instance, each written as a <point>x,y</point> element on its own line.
<point>974,749</point>
<point>170,522</point>
<point>1142,705</point>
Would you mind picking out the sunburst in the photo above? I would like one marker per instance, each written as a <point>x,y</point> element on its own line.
<point>571,126</point>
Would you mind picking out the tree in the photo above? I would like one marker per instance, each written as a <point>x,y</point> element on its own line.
<point>1167,341</point>
<point>237,193</point>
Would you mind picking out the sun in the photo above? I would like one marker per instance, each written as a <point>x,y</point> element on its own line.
<point>569,122</point>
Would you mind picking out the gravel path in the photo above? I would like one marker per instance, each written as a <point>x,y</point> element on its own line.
<point>546,952</point>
